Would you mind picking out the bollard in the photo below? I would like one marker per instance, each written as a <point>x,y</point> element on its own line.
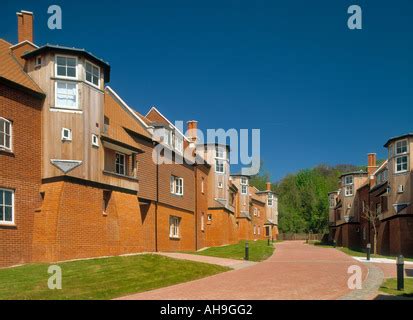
<point>400,272</point>
<point>247,251</point>
<point>334,243</point>
<point>368,251</point>
<point>268,241</point>
<point>272,240</point>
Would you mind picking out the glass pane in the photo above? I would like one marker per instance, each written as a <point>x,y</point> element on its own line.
<point>96,72</point>
<point>8,214</point>
<point>7,198</point>
<point>61,61</point>
<point>71,72</point>
<point>7,127</point>
<point>2,139</point>
<point>71,62</point>
<point>96,81</point>
<point>71,101</point>
<point>7,145</point>
<point>61,101</point>
<point>88,67</point>
<point>61,71</point>
<point>88,77</point>
<point>1,213</point>
<point>1,197</point>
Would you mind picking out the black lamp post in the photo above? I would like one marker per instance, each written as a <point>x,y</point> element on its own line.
<point>247,253</point>
<point>368,251</point>
<point>400,272</point>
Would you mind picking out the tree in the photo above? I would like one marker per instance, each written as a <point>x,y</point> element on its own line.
<point>372,216</point>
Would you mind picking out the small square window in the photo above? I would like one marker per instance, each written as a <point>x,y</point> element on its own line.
<point>66,134</point>
<point>95,140</point>
<point>38,62</point>
<point>220,185</point>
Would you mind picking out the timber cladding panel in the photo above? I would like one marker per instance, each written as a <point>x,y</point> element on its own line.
<point>71,224</point>
<point>21,172</point>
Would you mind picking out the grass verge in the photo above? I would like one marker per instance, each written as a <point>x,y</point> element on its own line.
<point>104,278</point>
<point>390,287</point>
<point>258,250</point>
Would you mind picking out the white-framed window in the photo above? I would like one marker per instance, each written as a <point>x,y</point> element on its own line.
<point>219,166</point>
<point>348,180</point>
<point>66,95</point>
<point>219,152</point>
<point>120,163</point>
<point>6,206</point>
<point>244,185</point>
<point>332,201</point>
<point>177,185</point>
<point>255,229</point>
<point>255,211</point>
<point>348,190</point>
<point>38,61</point>
<point>66,134</point>
<point>179,144</point>
<point>203,222</point>
<point>270,199</point>
<point>5,134</point>
<point>95,140</point>
<point>259,230</point>
<point>348,186</point>
<point>92,74</point>
<point>400,147</point>
<point>401,164</point>
<point>202,186</point>
<point>382,177</point>
<point>66,67</point>
<point>174,223</point>
<point>167,136</point>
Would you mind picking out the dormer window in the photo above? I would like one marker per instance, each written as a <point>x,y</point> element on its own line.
<point>92,74</point>
<point>95,140</point>
<point>66,67</point>
<point>38,61</point>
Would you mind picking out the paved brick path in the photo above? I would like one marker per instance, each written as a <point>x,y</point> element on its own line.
<point>230,263</point>
<point>295,271</point>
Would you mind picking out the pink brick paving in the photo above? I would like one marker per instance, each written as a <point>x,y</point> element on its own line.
<point>295,271</point>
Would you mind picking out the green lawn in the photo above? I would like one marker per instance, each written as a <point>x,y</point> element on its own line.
<point>258,250</point>
<point>356,253</point>
<point>390,287</point>
<point>104,278</point>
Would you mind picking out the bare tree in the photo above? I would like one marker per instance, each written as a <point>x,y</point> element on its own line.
<point>373,217</point>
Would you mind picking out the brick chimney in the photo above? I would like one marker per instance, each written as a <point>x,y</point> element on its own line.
<point>25,26</point>
<point>268,184</point>
<point>371,167</point>
<point>192,127</point>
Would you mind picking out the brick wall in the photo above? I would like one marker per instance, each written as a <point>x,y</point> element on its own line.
<point>222,230</point>
<point>20,171</point>
<point>71,224</point>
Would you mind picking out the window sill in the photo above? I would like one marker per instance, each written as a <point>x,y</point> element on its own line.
<point>177,195</point>
<point>6,152</point>
<point>8,226</point>
<point>174,238</point>
<point>67,110</point>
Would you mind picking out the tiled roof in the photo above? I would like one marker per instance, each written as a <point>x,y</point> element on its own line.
<point>11,70</point>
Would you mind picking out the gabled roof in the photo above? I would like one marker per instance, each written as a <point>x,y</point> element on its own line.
<point>383,165</point>
<point>155,115</point>
<point>62,49</point>
<point>12,73</point>
<point>361,172</point>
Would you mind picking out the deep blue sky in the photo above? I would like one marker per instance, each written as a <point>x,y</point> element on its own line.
<point>319,92</point>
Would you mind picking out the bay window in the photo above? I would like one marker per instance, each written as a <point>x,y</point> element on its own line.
<point>66,95</point>
<point>401,164</point>
<point>92,74</point>
<point>348,186</point>
<point>244,185</point>
<point>66,67</point>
